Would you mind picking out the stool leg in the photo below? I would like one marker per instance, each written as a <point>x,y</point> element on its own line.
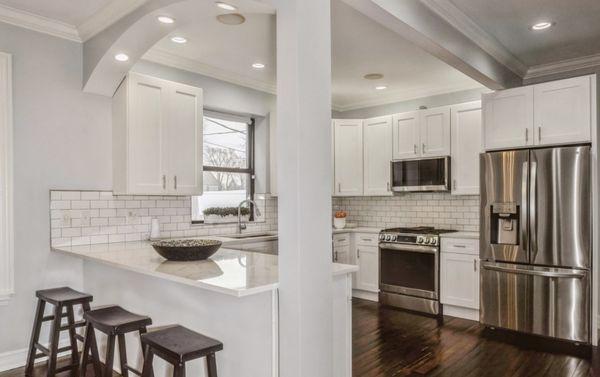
<point>147,369</point>
<point>179,370</point>
<point>144,349</point>
<point>123,355</point>
<point>90,336</point>
<point>54,337</point>
<point>73,340</point>
<point>35,336</point>
<point>110,356</point>
<point>211,364</point>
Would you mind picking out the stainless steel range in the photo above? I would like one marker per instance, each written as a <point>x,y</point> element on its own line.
<point>409,260</point>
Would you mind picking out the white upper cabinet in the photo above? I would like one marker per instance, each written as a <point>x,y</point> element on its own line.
<point>435,132</point>
<point>348,157</point>
<point>466,147</point>
<point>406,135</point>
<point>157,137</point>
<point>377,149</point>
<point>562,111</point>
<point>508,118</point>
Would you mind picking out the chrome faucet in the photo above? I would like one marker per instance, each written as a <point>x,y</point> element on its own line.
<point>242,226</point>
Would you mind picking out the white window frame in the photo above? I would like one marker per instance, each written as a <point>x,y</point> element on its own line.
<point>7,286</point>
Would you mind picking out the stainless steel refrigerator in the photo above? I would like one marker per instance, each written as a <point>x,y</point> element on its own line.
<point>535,245</point>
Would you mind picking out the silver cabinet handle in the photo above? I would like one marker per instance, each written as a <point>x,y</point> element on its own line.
<point>526,135</point>
<point>415,148</point>
<point>164,179</point>
<point>175,182</point>
<point>367,240</point>
<point>357,253</point>
<point>336,256</point>
<point>388,186</point>
<point>474,264</point>
<point>339,187</point>
<point>454,183</point>
<point>423,148</point>
<point>539,133</point>
<point>460,246</point>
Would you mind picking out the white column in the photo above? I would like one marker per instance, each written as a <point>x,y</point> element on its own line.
<point>304,186</point>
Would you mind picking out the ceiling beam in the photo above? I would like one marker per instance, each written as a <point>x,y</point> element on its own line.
<point>416,21</point>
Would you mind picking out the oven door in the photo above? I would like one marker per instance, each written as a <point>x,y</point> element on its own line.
<point>409,269</point>
<point>424,174</point>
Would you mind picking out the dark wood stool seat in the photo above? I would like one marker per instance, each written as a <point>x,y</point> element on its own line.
<point>115,322</point>
<point>63,299</point>
<point>177,345</point>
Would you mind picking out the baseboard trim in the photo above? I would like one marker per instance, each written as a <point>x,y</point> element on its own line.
<point>371,296</point>
<point>18,358</point>
<point>459,312</point>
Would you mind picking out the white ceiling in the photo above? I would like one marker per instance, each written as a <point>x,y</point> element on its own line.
<point>72,12</point>
<point>360,46</point>
<point>576,33</point>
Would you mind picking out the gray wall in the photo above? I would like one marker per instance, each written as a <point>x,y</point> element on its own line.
<point>62,139</point>
<point>400,107</point>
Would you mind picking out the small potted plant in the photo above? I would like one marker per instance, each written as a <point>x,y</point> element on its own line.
<point>339,219</point>
<point>219,215</point>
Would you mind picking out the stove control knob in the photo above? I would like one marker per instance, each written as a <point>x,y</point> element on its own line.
<point>434,241</point>
<point>394,238</point>
<point>388,237</point>
<point>420,239</point>
<point>381,237</point>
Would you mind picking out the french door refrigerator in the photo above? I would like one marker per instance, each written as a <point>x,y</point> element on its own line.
<point>535,244</point>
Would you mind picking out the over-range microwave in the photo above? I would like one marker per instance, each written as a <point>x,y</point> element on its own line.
<point>421,174</point>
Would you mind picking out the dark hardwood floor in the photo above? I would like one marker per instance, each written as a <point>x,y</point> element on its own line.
<point>390,342</point>
<point>40,370</point>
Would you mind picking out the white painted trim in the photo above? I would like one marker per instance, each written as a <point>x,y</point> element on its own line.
<point>107,16</point>
<point>38,23</point>
<point>562,66</point>
<point>371,296</point>
<point>403,95</point>
<point>460,312</point>
<point>7,288</point>
<point>18,358</point>
<point>487,42</point>
<point>165,58</point>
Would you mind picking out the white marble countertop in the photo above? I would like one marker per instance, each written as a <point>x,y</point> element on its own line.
<point>228,271</point>
<point>360,229</point>
<point>474,235</point>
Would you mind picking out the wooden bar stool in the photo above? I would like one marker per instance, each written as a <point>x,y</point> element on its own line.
<point>115,322</point>
<point>63,298</point>
<point>177,345</point>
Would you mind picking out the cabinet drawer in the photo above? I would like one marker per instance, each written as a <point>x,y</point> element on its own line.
<point>341,239</point>
<point>460,245</point>
<point>367,239</point>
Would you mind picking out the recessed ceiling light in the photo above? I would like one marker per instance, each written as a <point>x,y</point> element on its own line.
<point>541,25</point>
<point>121,57</point>
<point>381,87</point>
<point>258,65</point>
<point>225,6</point>
<point>373,76</point>
<point>231,19</point>
<point>179,40</point>
<point>165,19</point>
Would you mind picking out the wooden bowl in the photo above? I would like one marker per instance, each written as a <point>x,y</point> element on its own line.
<point>187,249</point>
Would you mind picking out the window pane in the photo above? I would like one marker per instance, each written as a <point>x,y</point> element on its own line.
<point>220,190</point>
<point>225,143</point>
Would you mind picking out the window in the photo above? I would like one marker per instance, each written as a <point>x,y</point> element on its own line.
<point>7,287</point>
<point>228,163</point>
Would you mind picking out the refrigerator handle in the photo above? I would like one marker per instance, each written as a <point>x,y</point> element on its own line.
<point>533,211</point>
<point>524,207</point>
<point>549,273</point>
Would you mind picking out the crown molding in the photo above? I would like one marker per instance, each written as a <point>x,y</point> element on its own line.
<point>166,58</point>
<point>487,42</point>
<point>563,66</point>
<point>38,23</point>
<point>107,16</point>
<point>401,96</point>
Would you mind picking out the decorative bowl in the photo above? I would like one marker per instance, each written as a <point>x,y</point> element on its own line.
<point>187,249</point>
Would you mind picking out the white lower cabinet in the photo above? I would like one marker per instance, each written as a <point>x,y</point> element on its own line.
<point>459,278</point>
<point>367,277</point>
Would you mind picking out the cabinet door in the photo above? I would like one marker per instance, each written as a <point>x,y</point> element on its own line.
<point>184,140</point>
<point>377,149</point>
<point>459,275</point>
<point>341,254</point>
<point>367,277</point>
<point>435,132</point>
<point>406,135</point>
<point>466,147</point>
<point>148,118</point>
<point>348,157</point>
<point>508,118</point>
<point>562,112</point>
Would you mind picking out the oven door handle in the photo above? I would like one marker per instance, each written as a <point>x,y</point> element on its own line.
<point>412,248</point>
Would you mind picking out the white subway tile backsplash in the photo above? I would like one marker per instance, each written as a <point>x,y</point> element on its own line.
<point>90,217</point>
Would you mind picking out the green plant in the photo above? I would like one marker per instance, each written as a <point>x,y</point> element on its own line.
<point>226,211</point>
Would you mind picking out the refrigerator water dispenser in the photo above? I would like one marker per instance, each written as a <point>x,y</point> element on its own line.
<point>505,224</point>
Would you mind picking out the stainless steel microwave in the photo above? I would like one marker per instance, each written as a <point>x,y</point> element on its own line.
<point>422,174</point>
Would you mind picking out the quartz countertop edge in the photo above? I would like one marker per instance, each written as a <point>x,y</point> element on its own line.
<point>360,229</point>
<point>222,273</point>
<point>461,234</point>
